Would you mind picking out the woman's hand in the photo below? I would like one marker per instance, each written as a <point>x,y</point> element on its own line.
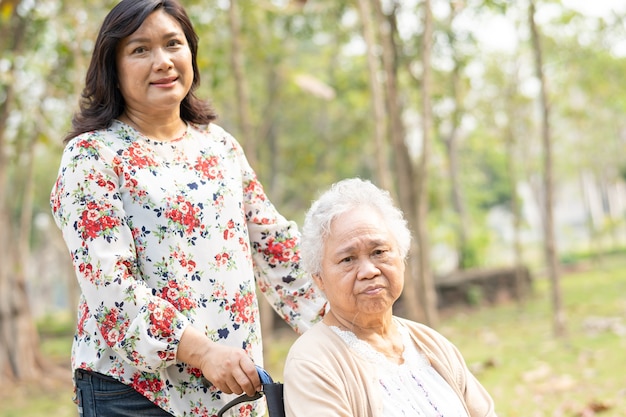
<point>230,369</point>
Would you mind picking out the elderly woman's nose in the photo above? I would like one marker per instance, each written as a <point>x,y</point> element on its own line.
<point>367,269</point>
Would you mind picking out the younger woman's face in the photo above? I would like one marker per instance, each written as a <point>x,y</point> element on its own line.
<point>154,66</point>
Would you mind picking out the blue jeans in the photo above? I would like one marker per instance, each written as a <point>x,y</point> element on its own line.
<point>102,396</point>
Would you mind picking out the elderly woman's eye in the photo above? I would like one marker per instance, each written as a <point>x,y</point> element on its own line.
<point>381,252</point>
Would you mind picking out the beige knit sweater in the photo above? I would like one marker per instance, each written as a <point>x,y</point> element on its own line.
<point>324,378</point>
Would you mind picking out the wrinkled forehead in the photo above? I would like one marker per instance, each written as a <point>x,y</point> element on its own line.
<point>363,226</point>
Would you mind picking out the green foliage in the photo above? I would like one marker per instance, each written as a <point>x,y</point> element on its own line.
<point>307,142</point>
<point>56,325</point>
<point>475,295</point>
<point>582,257</point>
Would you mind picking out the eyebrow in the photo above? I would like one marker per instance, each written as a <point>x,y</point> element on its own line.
<point>168,35</point>
<point>372,244</point>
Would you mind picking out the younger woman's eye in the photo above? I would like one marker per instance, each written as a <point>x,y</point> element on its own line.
<point>139,50</point>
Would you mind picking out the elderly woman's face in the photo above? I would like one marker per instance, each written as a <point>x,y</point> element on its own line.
<point>362,273</point>
<point>154,66</point>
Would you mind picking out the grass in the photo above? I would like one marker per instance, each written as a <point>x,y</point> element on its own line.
<point>510,347</point>
<point>531,373</point>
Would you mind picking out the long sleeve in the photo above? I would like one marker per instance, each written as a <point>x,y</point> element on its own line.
<point>323,378</point>
<point>141,326</point>
<point>275,252</point>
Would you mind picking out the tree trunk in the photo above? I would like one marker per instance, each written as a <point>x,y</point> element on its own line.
<point>585,181</point>
<point>378,102</point>
<point>403,167</point>
<point>451,142</point>
<point>548,182</point>
<point>510,137</point>
<point>241,84</point>
<point>427,285</point>
<point>19,345</point>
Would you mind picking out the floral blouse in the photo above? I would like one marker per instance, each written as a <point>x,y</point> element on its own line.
<point>164,235</point>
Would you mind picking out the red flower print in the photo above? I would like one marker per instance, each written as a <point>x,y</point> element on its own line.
<point>178,296</point>
<point>185,214</point>
<point>137,157</point>
<point>278,251</point>
<point>95,221</point>
<point>254,190</point>
<point>113,326</point>
<point>245,410</point>
<point>208,167</point>
<point>84,314</point>
<point>241,307</point>
<point>222,259</point>
<point>147,385</point>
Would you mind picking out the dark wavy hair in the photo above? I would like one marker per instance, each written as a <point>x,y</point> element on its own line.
<point>101,100</point>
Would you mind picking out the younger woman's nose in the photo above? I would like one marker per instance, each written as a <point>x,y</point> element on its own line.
<point>161,59</point>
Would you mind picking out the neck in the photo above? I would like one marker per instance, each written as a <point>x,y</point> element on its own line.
<point>381,333</point>
<point>379,326</point>
<point>156,127</point>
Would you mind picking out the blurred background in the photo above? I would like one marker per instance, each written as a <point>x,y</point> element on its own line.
<point>497,125</point>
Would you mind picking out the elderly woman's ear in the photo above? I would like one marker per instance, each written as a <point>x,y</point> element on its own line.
<point>318,281</point>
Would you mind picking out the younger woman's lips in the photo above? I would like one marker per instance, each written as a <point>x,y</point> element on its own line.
<point>165,81</point>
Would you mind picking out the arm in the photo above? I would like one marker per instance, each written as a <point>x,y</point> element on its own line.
<point>311,390</point>
<point>275,252</point>
<point>137,324</point>
<point>323,378</point>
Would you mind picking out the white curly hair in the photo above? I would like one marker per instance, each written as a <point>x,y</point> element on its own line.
<point>341,198</point>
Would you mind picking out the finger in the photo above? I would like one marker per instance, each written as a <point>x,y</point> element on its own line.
<point>249,369</point>
<point>233,386</point>
<point>244,379</point>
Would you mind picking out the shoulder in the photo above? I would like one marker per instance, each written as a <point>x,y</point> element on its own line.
<point>95,144</point>
<point>217,133</point>
<point>317,336</point>
<point>116,133</point>
<point>416,327</point>
<point>435,345</point>
<point>212,129</point>
<point>320,357</point>
<point>317,345</point>
<point>424,333</point>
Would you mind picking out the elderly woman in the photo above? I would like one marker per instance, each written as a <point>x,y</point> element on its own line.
<point>361,360</point>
